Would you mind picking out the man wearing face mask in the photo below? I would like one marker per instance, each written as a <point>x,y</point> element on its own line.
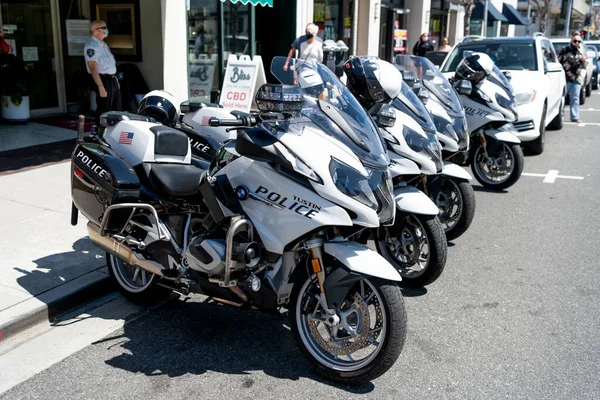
<point>309,46</point>
<point>101,65</point>
<point>574,63</point>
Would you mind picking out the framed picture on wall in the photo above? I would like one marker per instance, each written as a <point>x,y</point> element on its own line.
<point>123,21</point>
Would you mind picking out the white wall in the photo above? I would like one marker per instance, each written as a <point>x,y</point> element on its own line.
<point>152,43</point>
<point>368,25</point>
<point>304,15</point>
<point>418,20</point>
<point>174,48</point>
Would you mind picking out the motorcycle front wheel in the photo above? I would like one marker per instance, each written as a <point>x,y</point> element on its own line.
<point>416,246</point>
<point>502,166</point>
<point>456,201</point>
<point>366,340</point>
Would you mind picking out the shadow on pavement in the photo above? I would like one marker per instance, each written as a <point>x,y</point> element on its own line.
<point>19,160</point>
<point>60,269</point>
<point>189,337</point>
<point>486,190</point>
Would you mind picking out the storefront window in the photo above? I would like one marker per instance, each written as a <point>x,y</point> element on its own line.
<point>236,19</point>
<point>203,49</point>
<point>334,19</point>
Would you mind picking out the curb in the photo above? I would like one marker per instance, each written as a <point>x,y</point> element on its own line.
<point>48,311</point>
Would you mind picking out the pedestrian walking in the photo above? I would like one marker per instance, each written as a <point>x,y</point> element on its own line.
<point>101,65</point>
<point>309,46</point>
<point>423,46</point>
<point>574,63</point>
<point>444,46</point>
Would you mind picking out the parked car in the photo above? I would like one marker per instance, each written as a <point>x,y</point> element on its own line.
<point>559,44</point>
<point>596,45</point>
<point>536,76</point>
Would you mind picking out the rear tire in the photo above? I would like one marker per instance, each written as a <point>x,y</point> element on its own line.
<point>416,246</point>
<point>140,288</point>
<point>588,89</point>
<point>536,146</point>
<point>582,96</point>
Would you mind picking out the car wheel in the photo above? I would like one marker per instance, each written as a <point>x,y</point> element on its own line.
<point>536,146</point>
<point>582,96</point>
<point>588,89</point>
<point>595,81</point>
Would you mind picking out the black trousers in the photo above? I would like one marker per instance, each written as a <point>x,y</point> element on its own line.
<point>112,102</point>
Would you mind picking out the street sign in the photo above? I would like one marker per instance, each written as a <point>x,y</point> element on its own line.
<point>242,79</point>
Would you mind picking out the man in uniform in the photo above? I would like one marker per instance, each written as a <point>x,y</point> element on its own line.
<point>100,63</point>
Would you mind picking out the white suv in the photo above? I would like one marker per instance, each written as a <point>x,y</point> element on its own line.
<point>536,76</point>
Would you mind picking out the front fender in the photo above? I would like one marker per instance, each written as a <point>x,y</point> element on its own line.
<point>454,171</point>
<point>411,200</point>
<point>362,260</point>
<point>502,135</point>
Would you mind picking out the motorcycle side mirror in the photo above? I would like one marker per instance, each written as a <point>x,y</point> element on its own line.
<point>384,115</point>
<point>423,95</point>
<point>464,87</point>
<point>508,75</point>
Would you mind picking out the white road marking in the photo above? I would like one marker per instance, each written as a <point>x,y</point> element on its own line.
<point>583,123</point>
<point>551,176</point>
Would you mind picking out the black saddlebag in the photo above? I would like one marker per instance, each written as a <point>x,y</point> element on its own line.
<point>100,179</point>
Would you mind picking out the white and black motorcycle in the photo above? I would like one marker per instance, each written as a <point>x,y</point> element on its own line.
<point>263,227</point>
<point>453,193</point>
<point>419,245</point>
<point>495,156</point>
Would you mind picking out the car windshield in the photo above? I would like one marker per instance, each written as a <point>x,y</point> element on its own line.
<point>558,46</point>
<point>331,106</point>
<point>432,79</point>
<point>507,56</point>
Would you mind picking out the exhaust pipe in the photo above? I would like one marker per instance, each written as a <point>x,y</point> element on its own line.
<point>122,251</point>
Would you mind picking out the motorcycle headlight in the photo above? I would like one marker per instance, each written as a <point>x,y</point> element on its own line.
<point>375,190</point>
<point>444,127</point>
<point>525,97</point>
<point>428,145</point>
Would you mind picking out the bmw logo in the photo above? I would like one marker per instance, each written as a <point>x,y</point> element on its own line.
<point>241,192</point>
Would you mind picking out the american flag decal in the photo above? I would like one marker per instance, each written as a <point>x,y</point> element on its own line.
<point>126,138</point>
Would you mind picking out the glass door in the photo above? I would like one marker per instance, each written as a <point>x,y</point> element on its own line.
<point>32,31</point>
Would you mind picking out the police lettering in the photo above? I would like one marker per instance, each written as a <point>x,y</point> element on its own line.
<point>199,146</point>
<point>299,206</point>
<point>98,170</point>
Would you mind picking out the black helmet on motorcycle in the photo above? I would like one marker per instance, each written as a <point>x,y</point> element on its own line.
<point>474,67</point>
<point>365,81</point>
<point>161,106</point>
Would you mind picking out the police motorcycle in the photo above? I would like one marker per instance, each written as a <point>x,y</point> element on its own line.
<point>263,227</point>
<point>495,156</point>
<point>450,190</point>
<point>417,244</point>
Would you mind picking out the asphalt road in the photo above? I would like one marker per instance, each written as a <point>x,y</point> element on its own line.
<point>516,314</point>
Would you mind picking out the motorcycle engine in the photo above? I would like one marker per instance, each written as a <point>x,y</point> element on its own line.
<point>207,255</point>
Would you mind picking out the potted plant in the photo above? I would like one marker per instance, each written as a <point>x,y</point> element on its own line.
<point>15,82</point>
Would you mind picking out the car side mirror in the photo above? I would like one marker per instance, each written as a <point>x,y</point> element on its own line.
<point>464,87</point>
<point>429,75</point>
<point>590,54</point>
<point>384,115</point>
<point>508,75</point>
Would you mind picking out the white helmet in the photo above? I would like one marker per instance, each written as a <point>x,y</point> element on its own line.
<point>160,105</point>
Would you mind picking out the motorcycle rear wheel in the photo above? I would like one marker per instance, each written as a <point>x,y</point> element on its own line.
<point>373,308</point>
<point>416,246</point>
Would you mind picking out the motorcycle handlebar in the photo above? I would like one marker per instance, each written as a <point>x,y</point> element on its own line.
<point>248,120</point>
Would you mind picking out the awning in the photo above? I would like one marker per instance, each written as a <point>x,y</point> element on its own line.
<point>493,13</point>
<point>264,3</point>
<point>513,16</point>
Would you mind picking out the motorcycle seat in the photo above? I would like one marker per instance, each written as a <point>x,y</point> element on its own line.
<point>176,180</point>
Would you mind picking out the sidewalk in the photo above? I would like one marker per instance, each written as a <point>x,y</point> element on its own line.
<point>47,266</point>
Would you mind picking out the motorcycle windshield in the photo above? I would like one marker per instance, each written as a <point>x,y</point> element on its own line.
<point>410,104</point>
<point>331,106</point>
<point>433,80</point>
